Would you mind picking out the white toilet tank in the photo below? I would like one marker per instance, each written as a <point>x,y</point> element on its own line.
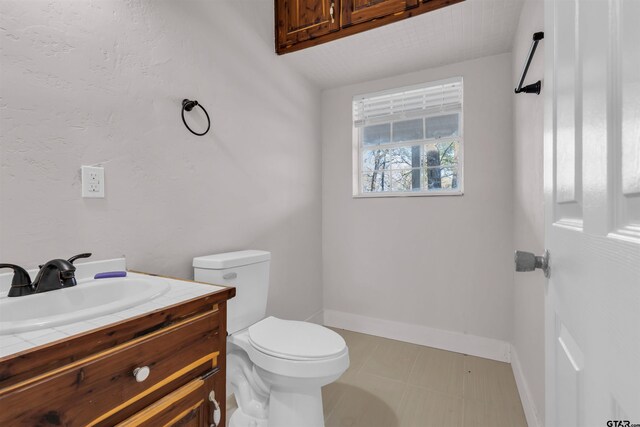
<point>248,271</point>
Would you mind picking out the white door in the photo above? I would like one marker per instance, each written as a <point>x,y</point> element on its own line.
<point>592,196</point>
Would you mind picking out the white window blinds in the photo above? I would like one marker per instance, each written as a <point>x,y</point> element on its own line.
<point>406,103</point>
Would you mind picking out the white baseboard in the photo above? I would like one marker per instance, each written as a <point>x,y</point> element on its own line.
<point>317,318</point>
<point>530,411</point>
<point>488,348</point>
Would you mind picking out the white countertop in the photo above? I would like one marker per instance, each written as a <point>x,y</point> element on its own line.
<point>179,291</point>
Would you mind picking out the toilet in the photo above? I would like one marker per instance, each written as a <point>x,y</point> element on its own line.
<point>275,367</point>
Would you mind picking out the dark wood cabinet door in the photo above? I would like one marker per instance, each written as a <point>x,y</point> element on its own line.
<point>186,406</point>
<point>189,406</point>
<point>300,20</point>
<point>356,11</point>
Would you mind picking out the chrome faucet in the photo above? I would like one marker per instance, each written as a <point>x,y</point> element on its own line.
<point>53,275</point>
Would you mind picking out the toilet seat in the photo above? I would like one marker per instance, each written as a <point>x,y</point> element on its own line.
<point>278,356</point>
<point>294,340</point>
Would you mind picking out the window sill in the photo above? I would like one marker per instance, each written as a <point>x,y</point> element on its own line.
<point>412,194</point>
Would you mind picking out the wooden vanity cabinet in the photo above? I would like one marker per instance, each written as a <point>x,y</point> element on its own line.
<point>304,23</point>
<point>90,379</point>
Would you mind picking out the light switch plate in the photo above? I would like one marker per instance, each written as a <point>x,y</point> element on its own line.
<point>93,182</point>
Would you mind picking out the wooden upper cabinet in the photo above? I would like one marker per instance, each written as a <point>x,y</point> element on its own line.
<point>355,11</point>
<point>300,20</point>
<point>305,23</point>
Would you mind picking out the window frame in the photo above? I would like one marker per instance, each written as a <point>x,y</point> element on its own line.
<point>358,148</point>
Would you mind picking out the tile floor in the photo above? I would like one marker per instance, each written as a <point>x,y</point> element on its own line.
<point>396,384</point>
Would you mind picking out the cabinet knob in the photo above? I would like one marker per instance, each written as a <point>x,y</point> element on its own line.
<point>142,373</point>
<point>331,12</point>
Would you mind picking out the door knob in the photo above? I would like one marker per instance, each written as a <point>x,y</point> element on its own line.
<point>526,261</point>
<point>142,373</point>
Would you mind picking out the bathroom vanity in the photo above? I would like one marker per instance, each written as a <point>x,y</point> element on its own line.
<point>162,363</point>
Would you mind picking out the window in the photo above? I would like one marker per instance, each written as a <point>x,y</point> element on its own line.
<point>409,141</point>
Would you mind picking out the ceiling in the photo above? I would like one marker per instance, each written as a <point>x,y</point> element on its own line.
<point>467,30</point>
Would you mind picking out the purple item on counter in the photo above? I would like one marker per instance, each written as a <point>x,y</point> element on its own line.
<point>110,274</point>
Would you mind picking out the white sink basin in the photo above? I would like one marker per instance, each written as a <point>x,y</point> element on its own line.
<point>89,299</point>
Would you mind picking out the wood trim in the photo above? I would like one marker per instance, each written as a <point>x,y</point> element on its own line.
<point>9,389</point>
<point>184,413</point>
<point>175,375</point>
<point>423,7</point>
<point>378,10</point>
<point>308,27</point>
<point>164,403</point>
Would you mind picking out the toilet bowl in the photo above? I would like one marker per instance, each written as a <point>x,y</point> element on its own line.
<point>286,364</point>
<point>276,368</point>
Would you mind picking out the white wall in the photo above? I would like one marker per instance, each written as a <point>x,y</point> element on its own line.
<point>528,231</point>
<point>440,262</point>
<point>102,82</point>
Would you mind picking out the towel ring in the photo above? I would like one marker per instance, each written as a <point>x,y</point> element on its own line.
<point>188,106</point>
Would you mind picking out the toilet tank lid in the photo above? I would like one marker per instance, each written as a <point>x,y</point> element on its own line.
<point>231,259</point>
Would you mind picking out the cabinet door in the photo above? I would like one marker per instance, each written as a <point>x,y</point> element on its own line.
<point>190,405</point>
<point>300,20</point>
<point>356,11</point>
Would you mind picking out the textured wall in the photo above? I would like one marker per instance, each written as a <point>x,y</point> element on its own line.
<point>86,82</point>
<point>528,231</point>
<point>441,262</point>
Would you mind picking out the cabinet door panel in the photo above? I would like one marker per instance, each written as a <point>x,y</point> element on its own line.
<point>187,406</point>
<point>299,20</point>
<point>355,11</point>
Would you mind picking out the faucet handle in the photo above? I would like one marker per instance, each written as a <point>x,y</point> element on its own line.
<point>75,257</point>
<point>20,275</point>
<point>21,282</point>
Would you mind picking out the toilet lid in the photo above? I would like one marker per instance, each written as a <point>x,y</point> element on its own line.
<point>290,339</point>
